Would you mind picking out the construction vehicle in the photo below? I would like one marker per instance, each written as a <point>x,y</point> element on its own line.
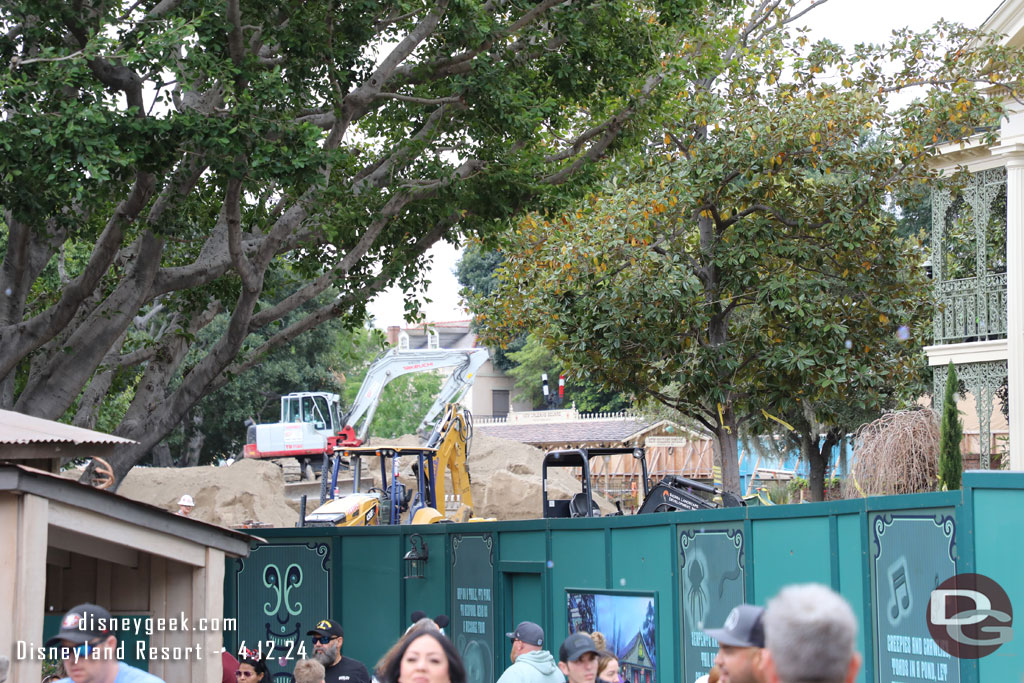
<point>671,493</point>
<point>446,451</point>
<point>312,426</point>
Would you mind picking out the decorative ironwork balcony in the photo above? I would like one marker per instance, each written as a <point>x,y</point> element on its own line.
<point>970,309</point>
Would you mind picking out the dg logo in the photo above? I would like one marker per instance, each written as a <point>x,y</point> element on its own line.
<point>970,616</point>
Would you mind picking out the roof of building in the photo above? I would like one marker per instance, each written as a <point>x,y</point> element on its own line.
<point>608,431</point>
<point>451,335</point>
<point>55,487</point>
<point>19,428</point>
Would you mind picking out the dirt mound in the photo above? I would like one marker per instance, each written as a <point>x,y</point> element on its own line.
<point>229,496</point>
<point>506,477</point>
<point>506,484</point>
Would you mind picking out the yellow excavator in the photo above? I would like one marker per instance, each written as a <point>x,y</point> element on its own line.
<point>446,452</point>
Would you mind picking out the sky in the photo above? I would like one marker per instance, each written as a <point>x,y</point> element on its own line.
<point>846,22</point>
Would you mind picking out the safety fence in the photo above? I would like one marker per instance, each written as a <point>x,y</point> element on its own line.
<point>648,582</point>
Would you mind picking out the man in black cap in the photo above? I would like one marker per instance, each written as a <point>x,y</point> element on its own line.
<point>531,663</point>
<point>328,637</point>
<point>88,648</point>
<point>577,658</point>
<point>740,642</point>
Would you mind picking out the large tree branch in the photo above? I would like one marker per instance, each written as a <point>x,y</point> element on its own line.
<point>17,341</point>
<point>233,214</point>
<point>610,132</point>
<point>63,377</point>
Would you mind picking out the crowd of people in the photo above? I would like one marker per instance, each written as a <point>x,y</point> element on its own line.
<point>805,633</point>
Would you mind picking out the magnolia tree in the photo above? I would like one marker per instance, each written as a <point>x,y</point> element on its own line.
<point>162,159</point>
<point>747,269</point>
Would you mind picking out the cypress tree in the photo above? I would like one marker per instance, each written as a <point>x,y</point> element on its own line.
<point>951,431</point>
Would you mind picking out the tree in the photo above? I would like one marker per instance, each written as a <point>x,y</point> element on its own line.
<point>475,271</point>
<point>952,431</point>
<point>403,403</point>
<point>751,262</point>
<point>162,159</point>
<point>535,360</point>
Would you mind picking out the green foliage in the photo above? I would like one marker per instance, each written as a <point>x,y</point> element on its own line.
<point>951,432</point>
<point>403,403</point>
<point>534,359</point>
<point>752,265</point>
<point>166,162</point>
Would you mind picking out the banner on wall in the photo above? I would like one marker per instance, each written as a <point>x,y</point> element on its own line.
<point>282,590</point>
<point>627,620</point>
<point>912,554</point>
<point>713,581</point>
<point>472,616</point>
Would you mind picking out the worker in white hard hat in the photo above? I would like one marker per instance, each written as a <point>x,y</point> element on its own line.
<point>185,505</point>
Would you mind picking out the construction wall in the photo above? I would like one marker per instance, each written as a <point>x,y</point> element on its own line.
<point>885,555</point>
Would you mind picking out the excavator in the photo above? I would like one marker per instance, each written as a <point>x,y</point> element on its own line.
<point>445,452</point>
<point>312,426</point>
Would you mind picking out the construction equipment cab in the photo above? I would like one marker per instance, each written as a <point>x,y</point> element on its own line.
<point>312,425</point>
<point>671,493</point>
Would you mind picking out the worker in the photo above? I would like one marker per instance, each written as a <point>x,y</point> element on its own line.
<point>185,505</point>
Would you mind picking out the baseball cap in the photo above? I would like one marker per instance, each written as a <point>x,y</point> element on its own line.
<point>528,632</point>
<point>575,646</point>
<point>743,627</point>
<point>327,627</point>
<point>81,624</point>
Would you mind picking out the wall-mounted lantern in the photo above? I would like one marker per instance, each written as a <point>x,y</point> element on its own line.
<point>416,559</point>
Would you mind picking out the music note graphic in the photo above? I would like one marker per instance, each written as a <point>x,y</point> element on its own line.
<point>900,602</point>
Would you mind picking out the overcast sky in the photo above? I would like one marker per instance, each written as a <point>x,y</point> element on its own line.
<point>844,21</point>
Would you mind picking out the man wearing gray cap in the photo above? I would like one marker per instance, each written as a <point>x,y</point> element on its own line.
<point>531,663</point>
<point>740,641</point>
<point>577,658</point>
<point>811,632</point>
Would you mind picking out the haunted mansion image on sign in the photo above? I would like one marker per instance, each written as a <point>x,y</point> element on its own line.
<point>911,556</point>
<point>711,570</point>
<point>628,621</point>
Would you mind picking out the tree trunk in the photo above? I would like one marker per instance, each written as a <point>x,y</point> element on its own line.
<point>817,453</point>
<point>161,455</point>
<point>194,445</point>
<point>811,452</point>
<point>727,438</point>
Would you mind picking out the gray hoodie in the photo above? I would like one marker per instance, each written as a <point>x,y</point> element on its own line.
<point>533,667</point>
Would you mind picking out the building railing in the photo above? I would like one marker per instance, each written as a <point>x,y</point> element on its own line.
<point>542,416</point>
<point>970,309</point>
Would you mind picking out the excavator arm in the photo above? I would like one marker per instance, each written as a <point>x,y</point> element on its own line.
<point>394,364</point>
<point>453,434</point>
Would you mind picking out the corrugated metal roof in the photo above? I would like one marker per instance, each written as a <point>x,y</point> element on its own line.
<point>570,431</point>
<point>25,429</point>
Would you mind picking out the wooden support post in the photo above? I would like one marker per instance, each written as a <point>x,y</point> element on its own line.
<point>23,528</point>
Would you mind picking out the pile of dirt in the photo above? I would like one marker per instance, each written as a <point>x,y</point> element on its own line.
<point>233,495</point>
<point>505,477</point>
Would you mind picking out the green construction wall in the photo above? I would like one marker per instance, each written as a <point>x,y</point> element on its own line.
<point>486,577</point>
